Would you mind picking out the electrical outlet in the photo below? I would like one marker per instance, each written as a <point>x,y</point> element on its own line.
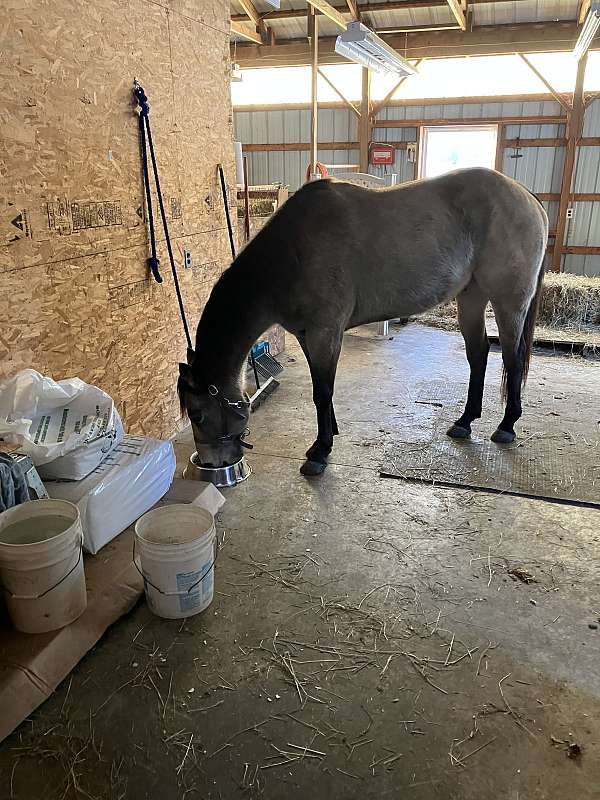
<point>570,213</point>
<point>187,259</point>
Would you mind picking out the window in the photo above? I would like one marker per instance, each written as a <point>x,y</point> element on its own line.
<point>448,147</point>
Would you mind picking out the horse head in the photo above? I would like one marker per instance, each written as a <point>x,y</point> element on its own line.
<point>219,420</point>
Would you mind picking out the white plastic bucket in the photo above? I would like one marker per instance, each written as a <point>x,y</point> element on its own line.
<point>43,580</point>
<point>175,555</point>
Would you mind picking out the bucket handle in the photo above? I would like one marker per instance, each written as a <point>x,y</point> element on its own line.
<point>43,594</point>
<point>138,565</point>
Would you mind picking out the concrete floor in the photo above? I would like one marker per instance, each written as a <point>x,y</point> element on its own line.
<point>371,620</point>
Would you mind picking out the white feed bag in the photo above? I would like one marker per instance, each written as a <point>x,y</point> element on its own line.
<point>133,477</point>
<point>67,427</point>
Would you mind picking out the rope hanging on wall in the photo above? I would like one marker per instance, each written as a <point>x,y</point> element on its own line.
<point>146,145</point>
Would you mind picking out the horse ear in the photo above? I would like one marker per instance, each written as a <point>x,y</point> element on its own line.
<point>186,374</point>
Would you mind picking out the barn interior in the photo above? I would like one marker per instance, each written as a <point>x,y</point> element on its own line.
<point>421,620</point>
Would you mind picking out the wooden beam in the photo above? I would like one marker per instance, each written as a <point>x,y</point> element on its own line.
<point>364,125</point>
<point>586,197</point>
<point>329,11</point>
<point>574,129</point>
<point>577,197</point>
<point>364,8</point>
<point>500,147</point>
<point>314,114</point>
<point>564,102</point>
<point>415,29</point>
<point>415,123</point>
<point>350,105</point>
<point>518,143</point>
<point>458,13</point>
<point>250,10</point>
<point>582,251</point>
<point>423,101</point>
<point>293,147</point>
<point>394,5</point>
<point>482,40</point>
<point>353,9</point>
<point>377,108</point>
<point>246,33</point>
<point>584,7</point>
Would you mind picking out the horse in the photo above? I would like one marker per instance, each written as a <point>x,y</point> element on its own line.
<point>336,256</point>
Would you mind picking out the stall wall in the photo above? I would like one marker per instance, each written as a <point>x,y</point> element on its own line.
<point>75,294</point>
<point>539,168</point>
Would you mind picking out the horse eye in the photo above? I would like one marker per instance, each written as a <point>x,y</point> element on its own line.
<point>198,418</point>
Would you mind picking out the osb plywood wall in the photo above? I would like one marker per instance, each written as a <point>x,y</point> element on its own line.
<point>75,295</point>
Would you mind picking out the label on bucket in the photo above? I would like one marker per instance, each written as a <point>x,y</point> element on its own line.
<point>189,601</point>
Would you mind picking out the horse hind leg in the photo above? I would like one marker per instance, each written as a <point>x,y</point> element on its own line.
<point>471,304</point>
<point>322,350</point>
<point>510,330</point>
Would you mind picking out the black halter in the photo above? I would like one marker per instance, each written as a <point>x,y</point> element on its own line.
<point>229,407</point>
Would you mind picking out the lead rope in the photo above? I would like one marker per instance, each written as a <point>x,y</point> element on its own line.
<point>145,144</point>
<point>232,246</point>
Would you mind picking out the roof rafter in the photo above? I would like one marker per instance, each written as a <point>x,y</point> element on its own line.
<point>250,10</point>
<point>458,14</point>
<point>245,32</point>
<point>480,41</point>
<point>330,12</point>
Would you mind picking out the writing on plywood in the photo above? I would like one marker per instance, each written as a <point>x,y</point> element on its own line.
<point>65,217</point>
<point>129,294</point>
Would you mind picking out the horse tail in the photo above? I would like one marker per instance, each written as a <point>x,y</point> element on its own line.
<point>526,338</point>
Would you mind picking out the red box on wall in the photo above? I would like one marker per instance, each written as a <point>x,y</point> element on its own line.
<point>382,155</point>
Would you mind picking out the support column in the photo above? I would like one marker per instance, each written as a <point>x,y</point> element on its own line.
<point>313,23</point>
<point>364,124</point>
<point>574,131</point>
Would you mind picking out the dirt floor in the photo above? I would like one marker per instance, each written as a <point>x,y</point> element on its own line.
<point>369,638</point>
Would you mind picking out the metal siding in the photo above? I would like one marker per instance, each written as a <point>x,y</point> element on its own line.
<point>325,124</point>
<point>275,126</point>
<point>587,178</point>
<point>291,126</point>
<point>582,265</point>
<point>591,125</point>
<point>540,169</point>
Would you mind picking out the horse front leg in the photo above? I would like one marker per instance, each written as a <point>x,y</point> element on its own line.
<point>322,350</point>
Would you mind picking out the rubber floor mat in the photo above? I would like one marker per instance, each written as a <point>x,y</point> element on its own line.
<point>556,455</point>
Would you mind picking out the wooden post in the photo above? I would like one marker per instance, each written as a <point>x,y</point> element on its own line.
<point>246,201</point>
<point>314,123</point>
<point>574,130</point>
<point>499,148</point>
<point>364,124</point>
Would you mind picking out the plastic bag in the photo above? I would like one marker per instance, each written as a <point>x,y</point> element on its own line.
<point>66,427</point>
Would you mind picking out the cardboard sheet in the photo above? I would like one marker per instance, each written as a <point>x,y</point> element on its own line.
<point>32,666</point>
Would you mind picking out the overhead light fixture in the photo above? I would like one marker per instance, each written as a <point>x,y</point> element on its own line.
<point>588,31</point>
<point>361,45</point>
<point>274,3</point>
<point>236,72</point>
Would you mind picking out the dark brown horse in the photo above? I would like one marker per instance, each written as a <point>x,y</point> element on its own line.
<point>336,256</point>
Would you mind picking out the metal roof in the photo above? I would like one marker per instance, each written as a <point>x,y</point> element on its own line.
<point>487,12</point>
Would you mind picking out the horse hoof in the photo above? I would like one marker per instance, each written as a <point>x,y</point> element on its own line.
<point>503,437</point>
<point>458,432</point>
<point>311,468</point>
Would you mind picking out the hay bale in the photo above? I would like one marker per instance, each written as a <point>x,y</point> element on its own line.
<point>569,301</point>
